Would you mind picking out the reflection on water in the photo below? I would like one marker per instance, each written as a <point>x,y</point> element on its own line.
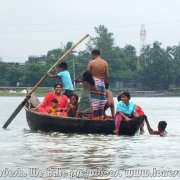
<point>74,154</point>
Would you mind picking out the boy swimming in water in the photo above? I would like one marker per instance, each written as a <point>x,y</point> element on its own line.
<point>161,128</point>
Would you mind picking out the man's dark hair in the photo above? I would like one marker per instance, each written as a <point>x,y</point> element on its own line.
<point>54,101</point>
<point>96,52</point>
<point>162,125</point>
<point>63,65</point>
<point>107,85</point>
<point>87,76</point>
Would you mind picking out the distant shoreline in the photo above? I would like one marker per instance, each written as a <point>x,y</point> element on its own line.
<point>41,91</point>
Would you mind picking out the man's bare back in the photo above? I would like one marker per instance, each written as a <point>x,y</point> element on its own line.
<point>98,68</point>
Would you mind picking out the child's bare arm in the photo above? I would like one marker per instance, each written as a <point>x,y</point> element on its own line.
<point>151,131</point>
<point>124,116</point>
<point>148,126</point>
<point>52,75</point>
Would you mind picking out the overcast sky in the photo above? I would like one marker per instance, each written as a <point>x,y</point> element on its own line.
<point>32,27</point>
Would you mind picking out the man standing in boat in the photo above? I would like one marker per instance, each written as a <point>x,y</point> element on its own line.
<point>99,70</point>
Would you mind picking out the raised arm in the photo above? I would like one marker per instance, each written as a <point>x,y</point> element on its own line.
<point>151,131</point>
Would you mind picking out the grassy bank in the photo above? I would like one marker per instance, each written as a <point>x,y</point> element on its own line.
<point>40,92</point>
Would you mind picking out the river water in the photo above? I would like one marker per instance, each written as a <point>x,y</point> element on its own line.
<point>28,155</point>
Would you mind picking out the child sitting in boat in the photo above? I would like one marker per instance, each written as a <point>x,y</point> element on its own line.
<point>109,102</point>
<point>54,107</point>
<point>54,110</point>
<point>125,107</point>
<point>72,106</point>
<point>125,110</point>
<point>85,105</point>
<point>161,128</point>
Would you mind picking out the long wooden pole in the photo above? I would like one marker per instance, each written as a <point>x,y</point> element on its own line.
<point>21,105</point>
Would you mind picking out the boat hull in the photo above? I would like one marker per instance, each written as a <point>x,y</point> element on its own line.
<point>48,123</point>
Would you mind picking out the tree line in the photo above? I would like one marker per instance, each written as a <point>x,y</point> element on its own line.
<point>155,67</point>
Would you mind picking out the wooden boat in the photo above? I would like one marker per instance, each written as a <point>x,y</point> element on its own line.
<point>49,123</point>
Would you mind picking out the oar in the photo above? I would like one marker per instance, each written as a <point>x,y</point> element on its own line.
<point>21,105</point>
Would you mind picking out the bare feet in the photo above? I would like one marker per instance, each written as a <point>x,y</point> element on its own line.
<point>116,131</point>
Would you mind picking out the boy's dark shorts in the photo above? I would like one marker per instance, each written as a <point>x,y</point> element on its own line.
<point>68,93</point>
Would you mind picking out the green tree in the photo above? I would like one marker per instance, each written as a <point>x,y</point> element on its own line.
<point>157,67</point>
<point>104,41</point>
<point>4,70</point>
<point>32,74</point>
<point>15,75</point>
<point>174,55</point>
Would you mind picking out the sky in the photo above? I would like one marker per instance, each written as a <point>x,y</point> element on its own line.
<point>33,27</point>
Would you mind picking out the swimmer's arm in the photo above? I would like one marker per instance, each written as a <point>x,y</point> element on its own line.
<point>151,131</point>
